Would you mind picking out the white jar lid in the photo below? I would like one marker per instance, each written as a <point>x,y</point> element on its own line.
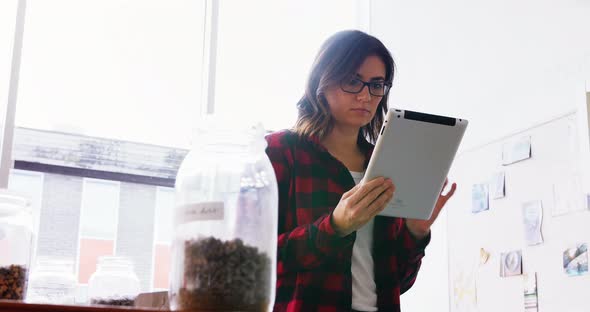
<point>11,203</point>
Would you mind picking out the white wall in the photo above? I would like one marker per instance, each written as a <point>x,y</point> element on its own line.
<point>502,62</point>
<point>504,65</point>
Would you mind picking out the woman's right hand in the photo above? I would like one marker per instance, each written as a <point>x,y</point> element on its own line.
<point>360,204</point>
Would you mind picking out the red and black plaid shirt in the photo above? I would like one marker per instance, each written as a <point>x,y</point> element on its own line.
<point>313,262</point>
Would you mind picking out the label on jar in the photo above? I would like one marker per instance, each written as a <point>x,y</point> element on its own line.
<point>203,212</point>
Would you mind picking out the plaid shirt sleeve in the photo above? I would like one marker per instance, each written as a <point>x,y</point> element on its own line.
<point>410,257</point>
<point>300,247</point>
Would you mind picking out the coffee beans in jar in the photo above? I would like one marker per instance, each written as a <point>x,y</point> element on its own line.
<point>225,276</point>
<point>114,282</point>
<point>16,244</point>
<point>224,240</point>
<point>13,280</point>
<point>124,302</point>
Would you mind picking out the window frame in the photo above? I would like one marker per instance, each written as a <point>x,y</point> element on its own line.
<point>6,162</point>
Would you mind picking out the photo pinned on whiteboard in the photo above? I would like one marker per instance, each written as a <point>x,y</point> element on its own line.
<point>575,260</point>
<point>480,198</point>
<point>531,301</point>
<point>511,263</point>
<point>532,215</point>
<point>568,196</point>
<point>516,151</point>
<point>464,287</point>
<point>484,256</point>
<point>498,185</point>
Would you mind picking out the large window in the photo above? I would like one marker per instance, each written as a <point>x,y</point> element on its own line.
<point>120,69</point>
<point>109,90</point>
<point>108,95</point>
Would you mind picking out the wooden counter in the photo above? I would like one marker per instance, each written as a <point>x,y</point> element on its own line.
<point>16,306</point>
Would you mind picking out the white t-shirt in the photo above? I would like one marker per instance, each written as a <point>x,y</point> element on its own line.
<point>364,291</point>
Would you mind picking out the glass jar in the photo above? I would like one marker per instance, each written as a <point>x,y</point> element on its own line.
<point>225,227</point>
<point>16,245</point>
<point>114,282</point>
<point>52,281</point>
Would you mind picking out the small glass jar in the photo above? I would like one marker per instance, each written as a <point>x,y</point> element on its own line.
<point>52,281</point>
<point>114,282</point>
<point>16,244</point>
<point>225,238</point>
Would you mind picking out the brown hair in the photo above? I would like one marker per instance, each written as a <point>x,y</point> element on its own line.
<point>339,58</point>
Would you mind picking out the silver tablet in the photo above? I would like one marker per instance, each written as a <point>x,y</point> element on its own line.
<point>416,151</point>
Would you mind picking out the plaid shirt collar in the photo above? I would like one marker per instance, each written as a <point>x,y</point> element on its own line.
<point>366,147</point>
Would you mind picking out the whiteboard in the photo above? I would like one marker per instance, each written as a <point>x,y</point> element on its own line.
<point>555,158</point>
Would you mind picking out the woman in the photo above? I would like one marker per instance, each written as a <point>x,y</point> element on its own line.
<point>334,253</point>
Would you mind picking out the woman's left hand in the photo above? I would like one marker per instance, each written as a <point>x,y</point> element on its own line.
<point>421,228</point>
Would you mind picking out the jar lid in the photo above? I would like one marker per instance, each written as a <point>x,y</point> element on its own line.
<point>11,203</point>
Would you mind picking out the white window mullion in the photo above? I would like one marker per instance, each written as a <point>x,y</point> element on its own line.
<point>209,56</point>
<point>6,162</point>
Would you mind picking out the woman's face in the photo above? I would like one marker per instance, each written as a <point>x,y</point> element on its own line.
<point>356,110</point>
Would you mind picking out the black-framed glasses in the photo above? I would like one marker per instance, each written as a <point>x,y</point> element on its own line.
<point>355,85</point>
